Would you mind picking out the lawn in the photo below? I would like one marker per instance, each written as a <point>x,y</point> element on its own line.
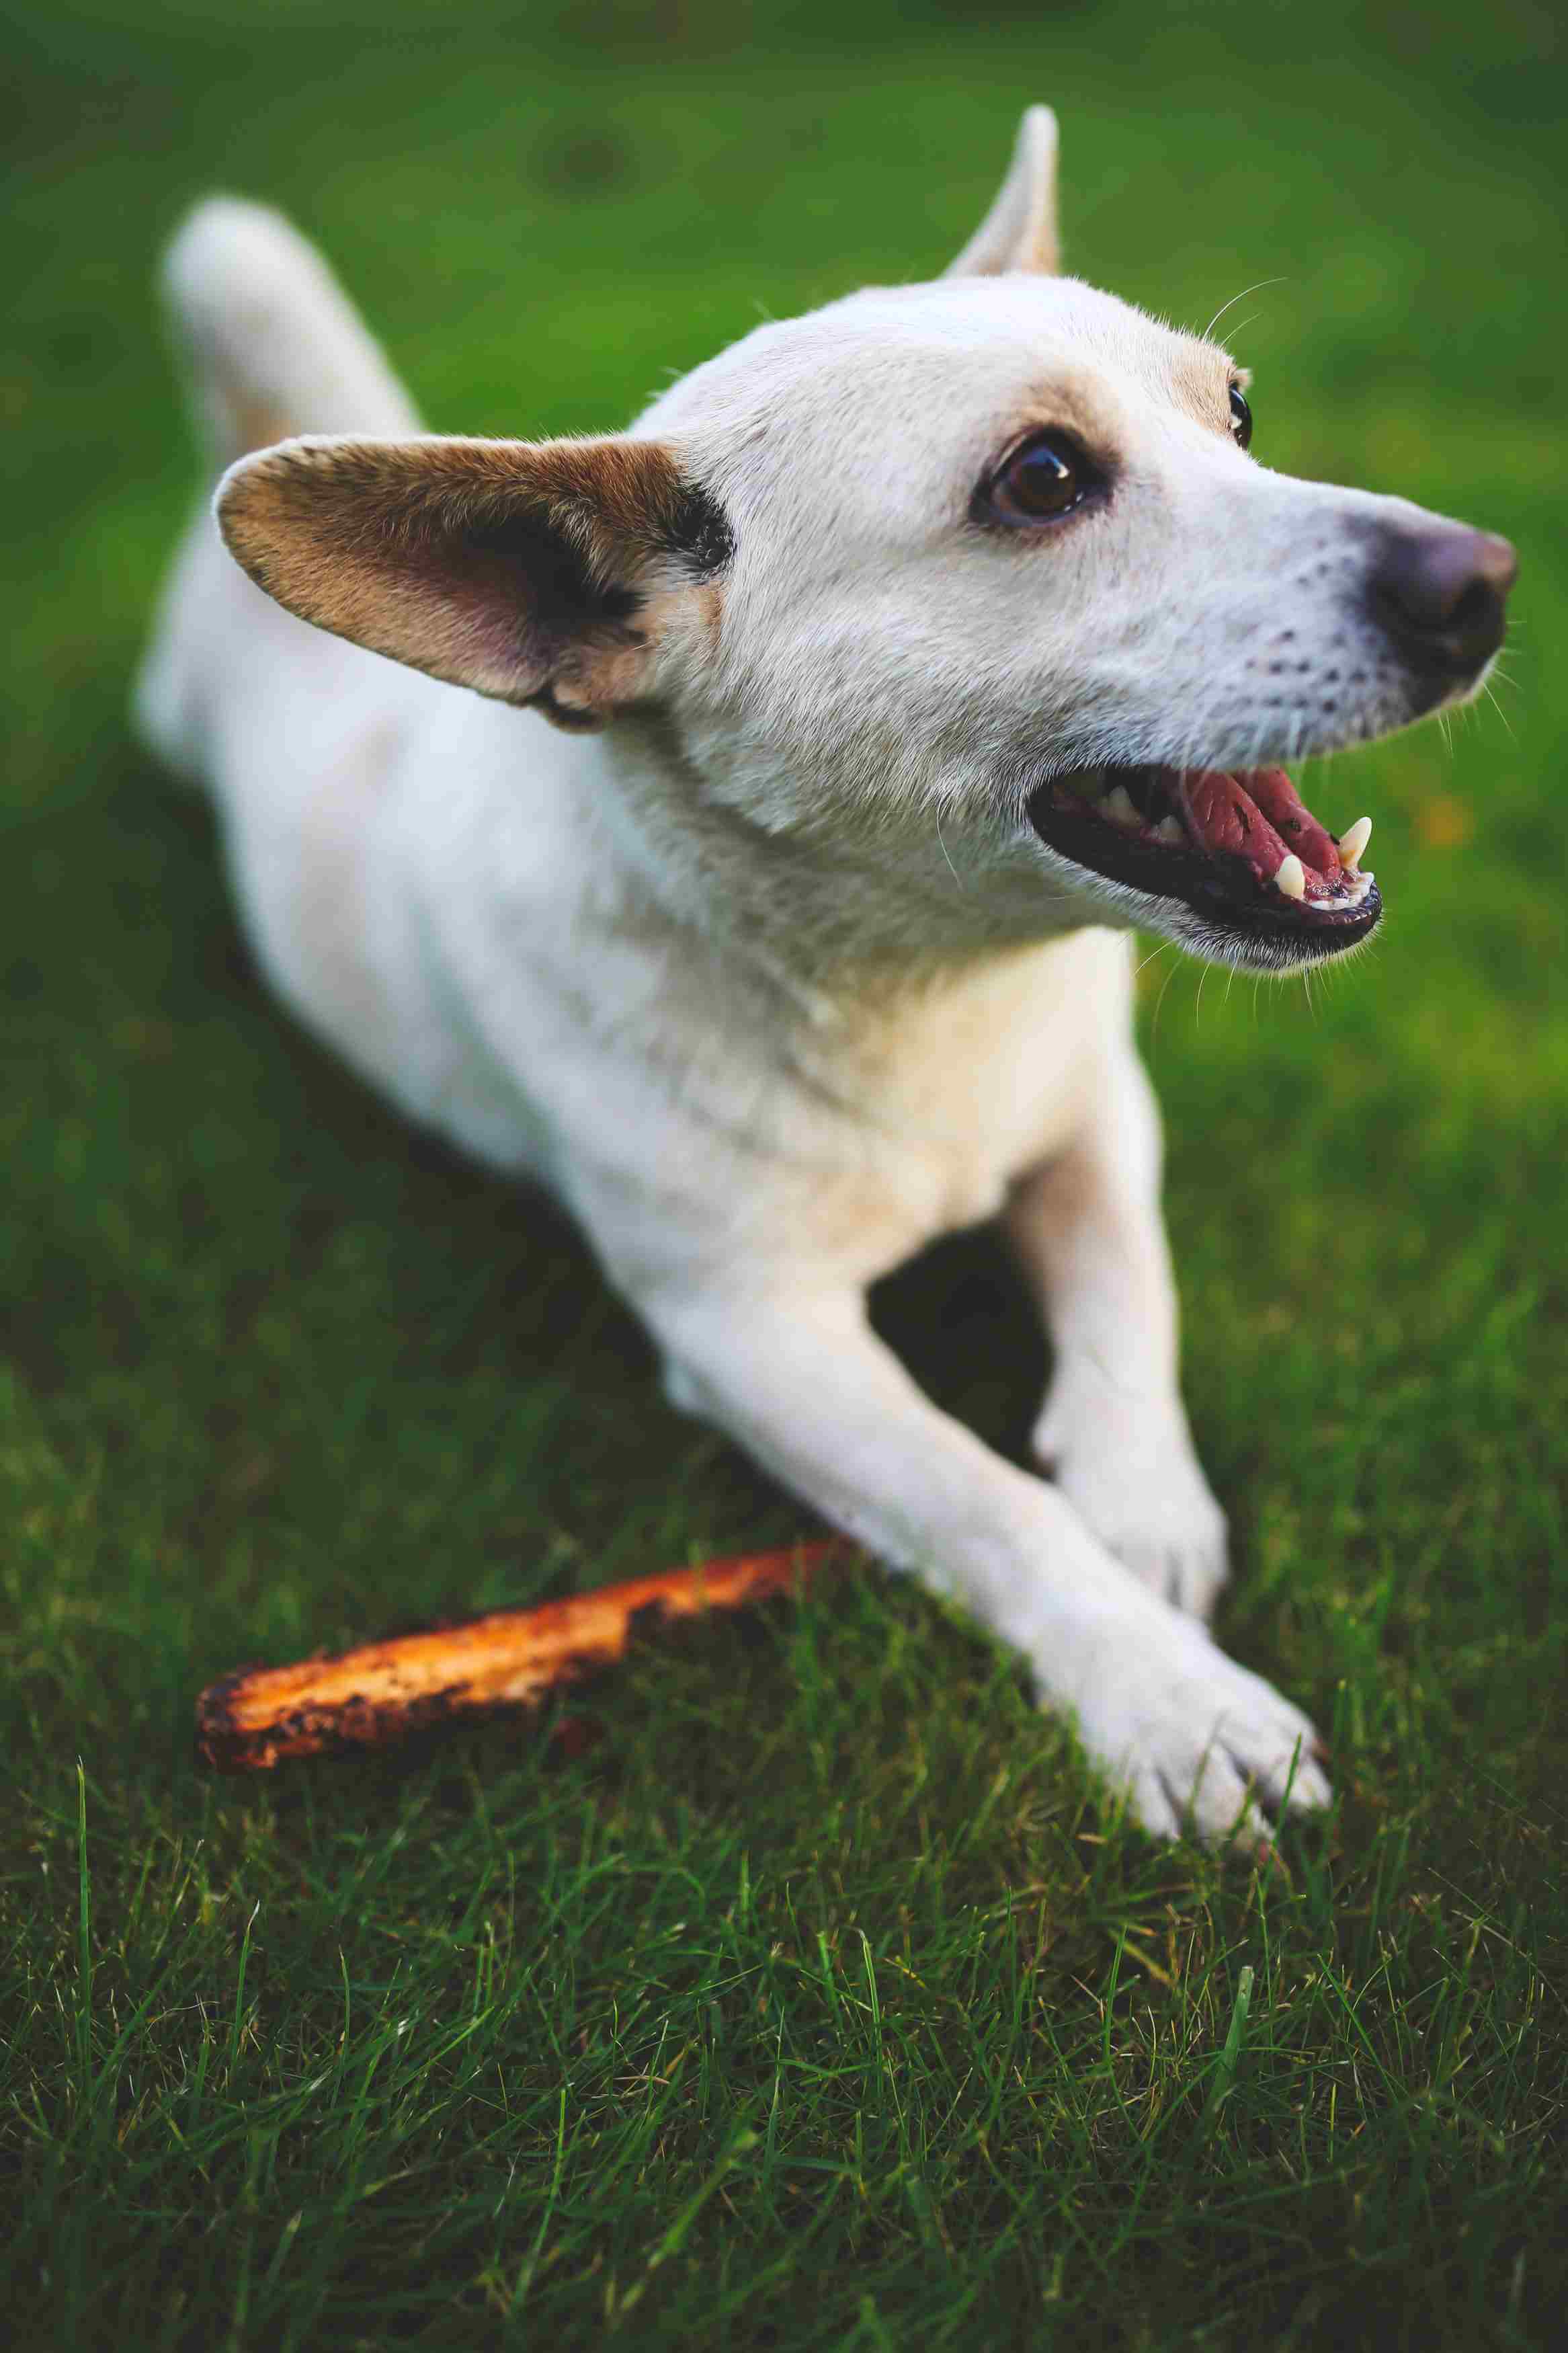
<point>824,2001</point>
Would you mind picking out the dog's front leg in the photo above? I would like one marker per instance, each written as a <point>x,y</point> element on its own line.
<point>795,1374</point>
<point>1113,1432</point>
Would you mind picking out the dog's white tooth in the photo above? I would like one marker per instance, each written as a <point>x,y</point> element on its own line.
<point>1117,806</point>
<point>1291,876</point>
<point>1352,844</point>
<point>1170,832</point>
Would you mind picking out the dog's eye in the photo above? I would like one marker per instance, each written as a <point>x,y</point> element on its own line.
<point>1240,417</point>
<point>1045,477</point>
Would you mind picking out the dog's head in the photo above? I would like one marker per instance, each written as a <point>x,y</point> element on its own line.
<point>971,585</point>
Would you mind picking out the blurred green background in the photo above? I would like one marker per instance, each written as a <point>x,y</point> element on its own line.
<point>823,2001</point>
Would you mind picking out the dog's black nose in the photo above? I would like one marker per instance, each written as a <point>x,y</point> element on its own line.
<point>1441,591</point>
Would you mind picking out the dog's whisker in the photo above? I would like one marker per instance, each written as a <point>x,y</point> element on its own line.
<point>1159,1008</point>
<point>1254,289</point>
<point>943,846</point>
<point>1501,713</point>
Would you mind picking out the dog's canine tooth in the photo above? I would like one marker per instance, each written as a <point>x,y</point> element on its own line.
<point>1353,843</point>
<point>1291,876</point>
<point>1170,832</point>
<point>1117,806</point>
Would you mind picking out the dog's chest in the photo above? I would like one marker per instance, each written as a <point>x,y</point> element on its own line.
<point>971,1083</point>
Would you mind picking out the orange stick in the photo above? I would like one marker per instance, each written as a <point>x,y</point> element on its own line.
<point>381,1691</point>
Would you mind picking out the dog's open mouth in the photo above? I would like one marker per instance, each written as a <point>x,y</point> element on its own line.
<point>1238,846</point>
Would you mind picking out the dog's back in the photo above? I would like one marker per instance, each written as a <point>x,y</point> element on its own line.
<point>307,743</point>
<point>269,347</point>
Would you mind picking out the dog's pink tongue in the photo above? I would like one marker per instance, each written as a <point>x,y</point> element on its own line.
<point>1258,817</point>
<point>1292,820</point>
<point>1227,820</point>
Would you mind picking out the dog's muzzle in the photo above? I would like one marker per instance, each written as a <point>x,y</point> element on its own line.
<point>1239,847</point>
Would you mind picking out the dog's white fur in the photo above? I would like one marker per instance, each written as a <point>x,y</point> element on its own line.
<point>769,978</point>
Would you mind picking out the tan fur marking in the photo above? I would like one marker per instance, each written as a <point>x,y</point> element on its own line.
<point>1199,375</point>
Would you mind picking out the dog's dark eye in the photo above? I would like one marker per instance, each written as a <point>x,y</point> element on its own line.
<point>1240,417</point>
<point>1045,477</point>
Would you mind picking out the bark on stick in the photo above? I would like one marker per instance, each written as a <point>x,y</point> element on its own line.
<point>381,1691</point>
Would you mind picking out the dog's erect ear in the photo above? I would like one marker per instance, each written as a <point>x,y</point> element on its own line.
<point>1019,232</point>
<point>537,572</point>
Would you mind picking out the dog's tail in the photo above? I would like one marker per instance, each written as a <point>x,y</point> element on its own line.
<point>271,346</point>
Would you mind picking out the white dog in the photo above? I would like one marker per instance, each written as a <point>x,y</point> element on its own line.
<point>902,658</point>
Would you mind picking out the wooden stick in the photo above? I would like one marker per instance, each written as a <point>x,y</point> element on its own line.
<point>381,1691</point>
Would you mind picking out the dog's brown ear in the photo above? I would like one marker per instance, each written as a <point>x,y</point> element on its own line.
<point>1019,232</point>
<point>538,572</point>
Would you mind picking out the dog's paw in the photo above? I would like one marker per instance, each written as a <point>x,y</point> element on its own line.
<point>1127,1467</point>
<point>1201,1747</point>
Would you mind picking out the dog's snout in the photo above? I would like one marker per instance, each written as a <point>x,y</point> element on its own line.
<point>1441,593</point>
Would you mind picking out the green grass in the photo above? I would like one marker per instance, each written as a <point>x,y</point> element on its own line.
<point>823,2002</point>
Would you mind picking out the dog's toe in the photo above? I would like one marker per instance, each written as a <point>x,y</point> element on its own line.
<point>1167,1529</point>
<point>1187,1570</point>
<point>1201,1747</point>
<point>1130,1473</point>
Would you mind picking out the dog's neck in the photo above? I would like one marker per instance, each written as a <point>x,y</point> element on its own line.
<point>827,920</point>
